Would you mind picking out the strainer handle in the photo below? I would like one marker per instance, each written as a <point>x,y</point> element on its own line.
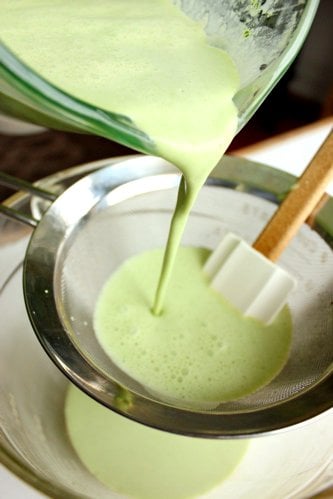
<point>21,185</point>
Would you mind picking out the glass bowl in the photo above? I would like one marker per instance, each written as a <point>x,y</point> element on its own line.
<point>33,440</point>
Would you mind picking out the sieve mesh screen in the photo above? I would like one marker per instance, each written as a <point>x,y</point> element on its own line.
<point>114,232</point>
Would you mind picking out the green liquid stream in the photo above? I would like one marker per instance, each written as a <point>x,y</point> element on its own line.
<point>142,59</point>
<point>146,60</point>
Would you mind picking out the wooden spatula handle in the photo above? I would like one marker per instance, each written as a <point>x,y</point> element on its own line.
<point>299,203</point>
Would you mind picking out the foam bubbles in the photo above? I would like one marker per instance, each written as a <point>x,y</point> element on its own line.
<point>199,351</point>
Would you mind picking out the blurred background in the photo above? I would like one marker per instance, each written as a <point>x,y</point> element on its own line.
<point>303,96</point>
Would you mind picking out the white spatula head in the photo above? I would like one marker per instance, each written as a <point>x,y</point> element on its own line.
<point>247,279</point>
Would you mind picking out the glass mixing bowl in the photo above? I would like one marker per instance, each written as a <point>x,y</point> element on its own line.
<point>33,441</point>
<point>262,38</point>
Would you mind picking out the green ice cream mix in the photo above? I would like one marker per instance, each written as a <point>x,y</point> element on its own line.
<point>146,60</point>
<point>201,351</point>
<point>143,462</point>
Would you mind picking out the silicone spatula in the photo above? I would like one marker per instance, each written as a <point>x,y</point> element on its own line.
<point>247,275</point>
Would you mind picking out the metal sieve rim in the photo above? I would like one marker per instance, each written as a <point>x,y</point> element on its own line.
<point>234,173</point>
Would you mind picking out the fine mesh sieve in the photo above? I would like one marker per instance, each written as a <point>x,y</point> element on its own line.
<point>102,219</point>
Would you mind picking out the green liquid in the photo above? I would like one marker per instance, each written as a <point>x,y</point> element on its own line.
<point>143,59</point>
<point>201,351</point>
<point>146,60</point>
<point>143,462</point>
